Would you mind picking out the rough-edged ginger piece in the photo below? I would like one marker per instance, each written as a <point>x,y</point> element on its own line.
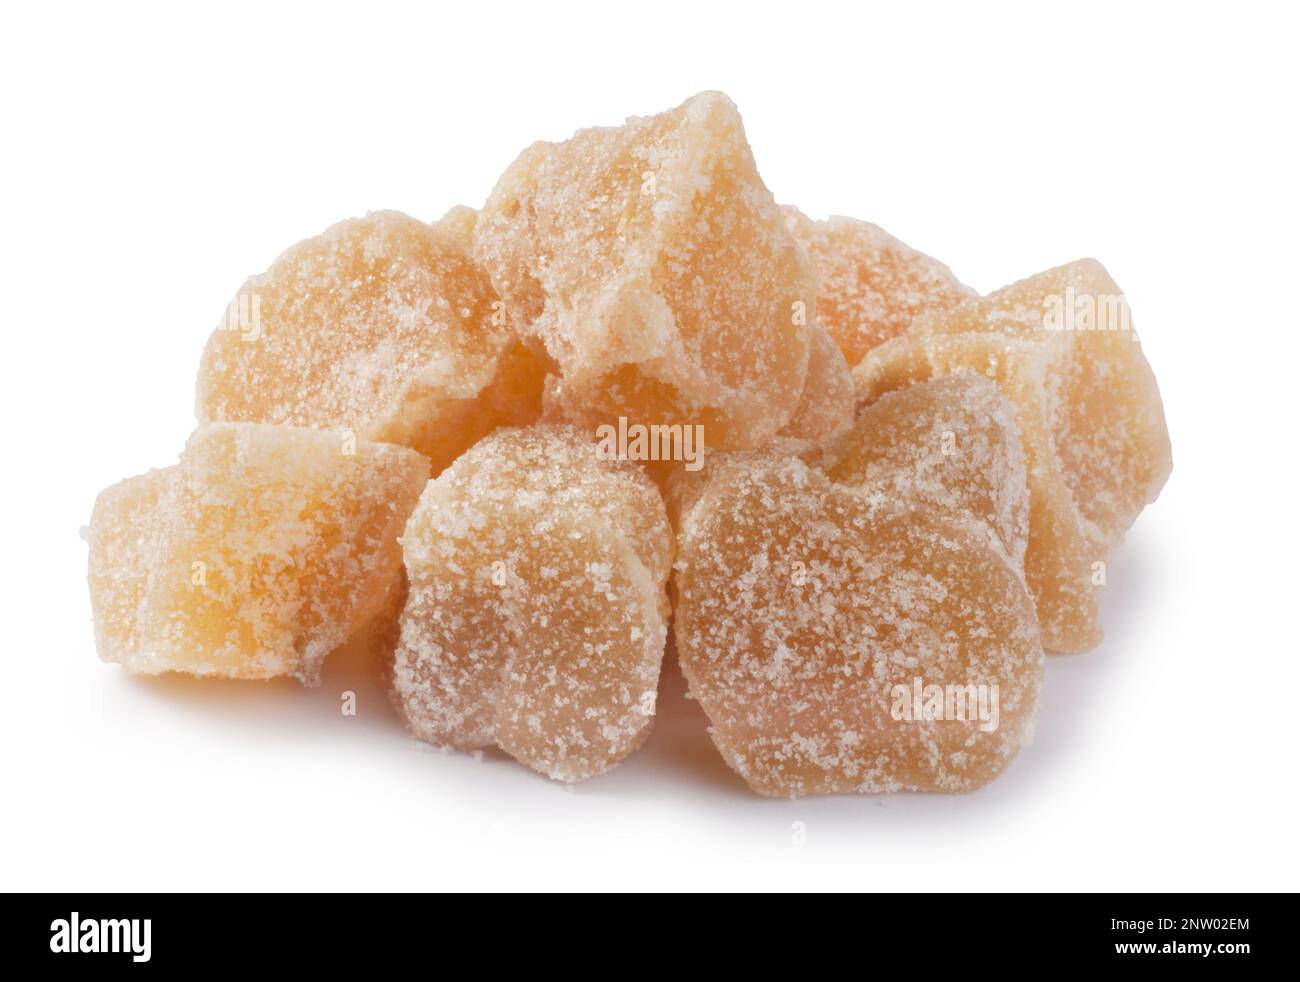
<point>381,325</point>
<point>870,286</point>
<point>656,268</point>
<point>263,550</point>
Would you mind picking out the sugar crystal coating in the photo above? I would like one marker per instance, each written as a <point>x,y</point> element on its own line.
<point>1061,347</point>
<point>537,611</point>
<point>808,614</point>
<point>653,264</point>
<point>870,286</point>
<point>263,550</point>
<point>381,325</point>
<point>952,441</point>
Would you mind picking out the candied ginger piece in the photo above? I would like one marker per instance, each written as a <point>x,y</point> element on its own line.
<point>263,550</point>
<point>1105,415</point>
<point>1089,415</point>
<point>825,409</point>
<point>952,441</point>
<point>381,325</point>
<point>125,536</point>
<point>870,286</point>
<point>1058,560</point>
<point>654,265</point>
<point>816,624</point>
<point>537,611</point>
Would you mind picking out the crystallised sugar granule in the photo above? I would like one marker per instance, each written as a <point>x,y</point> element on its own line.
<point>841,641</point>
<point>953,441</point>
<point>1061,346</point>
<point>654,265</point>
<point>870,286</point>
<point>537,612</point>
<point>382,325</point>
<point>263,550</point>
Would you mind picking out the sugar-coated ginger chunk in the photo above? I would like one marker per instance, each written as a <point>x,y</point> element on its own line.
<point>263,550</point>
<point>537,610</point>
<point>825,409</point>
<point>381,325</point>
<point>1058,561</point>
<point>870,286</point>
<point>816,624</point>
<point>654,265</point>
<point>125,536</point>
<point>952,441</point>
<point>1104,410</point>
<point>1061,347</point>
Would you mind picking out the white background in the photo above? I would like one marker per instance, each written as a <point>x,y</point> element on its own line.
<point>155,156</point>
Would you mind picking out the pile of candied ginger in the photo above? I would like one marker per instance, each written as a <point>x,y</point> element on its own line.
<point>632,405</point>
